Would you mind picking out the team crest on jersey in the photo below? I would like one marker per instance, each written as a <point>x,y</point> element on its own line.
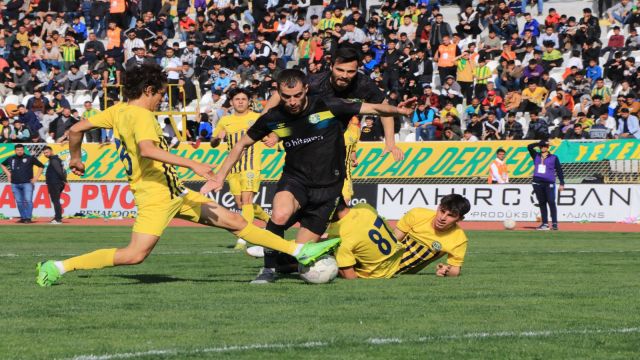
<point>436,246</point>
<point>314,118</point>
<point>251,122</point>
<point>250,175</point>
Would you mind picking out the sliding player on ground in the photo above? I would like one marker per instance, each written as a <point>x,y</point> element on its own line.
<point>370,249</point>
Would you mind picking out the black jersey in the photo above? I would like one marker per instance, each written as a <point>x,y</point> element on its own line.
<point>362,88</point>
<point>313,140</point>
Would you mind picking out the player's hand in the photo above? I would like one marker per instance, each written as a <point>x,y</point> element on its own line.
<point>406,107</point>
<point>203,170</point>
<point>214,184</point>
<point>442,270</point>
<point>397,153</point>
<point>354,163</point>
<point>271,140</point>
<point>76,166</point>
<point>561,188</point>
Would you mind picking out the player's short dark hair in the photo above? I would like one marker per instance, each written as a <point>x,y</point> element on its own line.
<point>139,78</point>
<point>291,77</point>
<point>18,146</point>
<point>500,150</point>
<point>456,204</point>
<point>237,91</point>
<point>47,148</point>
<point>345,55</point>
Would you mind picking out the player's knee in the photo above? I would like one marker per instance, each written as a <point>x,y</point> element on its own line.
<point>235,222</point>
<point>280,217</point>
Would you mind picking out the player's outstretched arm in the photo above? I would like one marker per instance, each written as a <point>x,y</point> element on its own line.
<point>348,273</point>
<point>150,150</point>
<point>403,109</point>
<point>76,133</point>
<point>216,182</point>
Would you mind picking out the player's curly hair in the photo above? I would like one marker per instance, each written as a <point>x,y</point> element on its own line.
<point>138,78</point>
<point>455,203</point>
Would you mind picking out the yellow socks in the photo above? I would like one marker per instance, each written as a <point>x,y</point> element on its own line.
<point>260,214</point>
<point>247,213</point>
<point>257,236</point>
<point>94,260</point>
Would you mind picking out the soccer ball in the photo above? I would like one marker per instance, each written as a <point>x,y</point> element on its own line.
<point>322,271</point>
<point>509,224</point>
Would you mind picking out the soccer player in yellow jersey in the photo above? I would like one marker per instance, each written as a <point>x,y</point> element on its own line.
<point>244,179</point>
<point>158,193</point>
<point>369,249</point>
<point>351,136</point>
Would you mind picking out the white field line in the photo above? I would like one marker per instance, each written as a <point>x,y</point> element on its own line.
<point>221,252</point>
<point>371,341</point>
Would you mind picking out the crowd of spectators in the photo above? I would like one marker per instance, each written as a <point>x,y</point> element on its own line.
<point>496,74</point>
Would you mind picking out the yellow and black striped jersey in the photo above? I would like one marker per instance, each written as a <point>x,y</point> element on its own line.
<point>423,244</point>
<point>351,136</point>
<point>132,124</point>
<point>235,128</point>
<point>368,244</point>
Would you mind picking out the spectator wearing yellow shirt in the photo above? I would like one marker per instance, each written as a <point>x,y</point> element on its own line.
<point>533,98</point>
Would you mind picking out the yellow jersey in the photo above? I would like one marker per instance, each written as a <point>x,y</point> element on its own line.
<point>235,128</point>
<point>351,136</point>
<point>423,244</point>
<point>148,179</point>
<point>367,243</point>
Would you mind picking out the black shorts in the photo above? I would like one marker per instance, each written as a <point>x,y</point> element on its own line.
<point>316,204</point>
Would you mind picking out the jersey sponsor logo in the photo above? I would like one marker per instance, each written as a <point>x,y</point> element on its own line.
<point>299,141</point>
<point>314,118</point>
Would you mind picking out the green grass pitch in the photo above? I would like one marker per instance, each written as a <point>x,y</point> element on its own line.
<point>522,295</point>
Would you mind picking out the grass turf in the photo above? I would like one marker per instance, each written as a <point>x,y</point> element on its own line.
<point>522,295</point>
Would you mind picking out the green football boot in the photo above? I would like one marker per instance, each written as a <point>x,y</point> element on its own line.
<point>310,252</point>
<point>47,273</point>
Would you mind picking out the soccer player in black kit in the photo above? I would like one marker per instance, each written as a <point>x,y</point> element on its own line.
<point>311,129</point>
<point>346,82</point>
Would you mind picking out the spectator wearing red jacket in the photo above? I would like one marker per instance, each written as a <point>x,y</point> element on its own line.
<point>495,103</point>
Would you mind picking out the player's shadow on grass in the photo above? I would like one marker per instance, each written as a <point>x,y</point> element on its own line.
<point>159,279</point>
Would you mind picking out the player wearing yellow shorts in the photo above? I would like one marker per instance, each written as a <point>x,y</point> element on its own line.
<point>351,137</point>
<point>369,249</point>
<point>158,193</point>
<point>244,179</point>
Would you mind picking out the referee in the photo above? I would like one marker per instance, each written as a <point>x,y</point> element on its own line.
<point>546,167</point>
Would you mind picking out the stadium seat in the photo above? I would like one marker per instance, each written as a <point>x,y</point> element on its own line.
<point>80,97</point>
<point>206,99</point>
<point>556,74</point>
<point>26,99</point>
<point>12,99</point>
